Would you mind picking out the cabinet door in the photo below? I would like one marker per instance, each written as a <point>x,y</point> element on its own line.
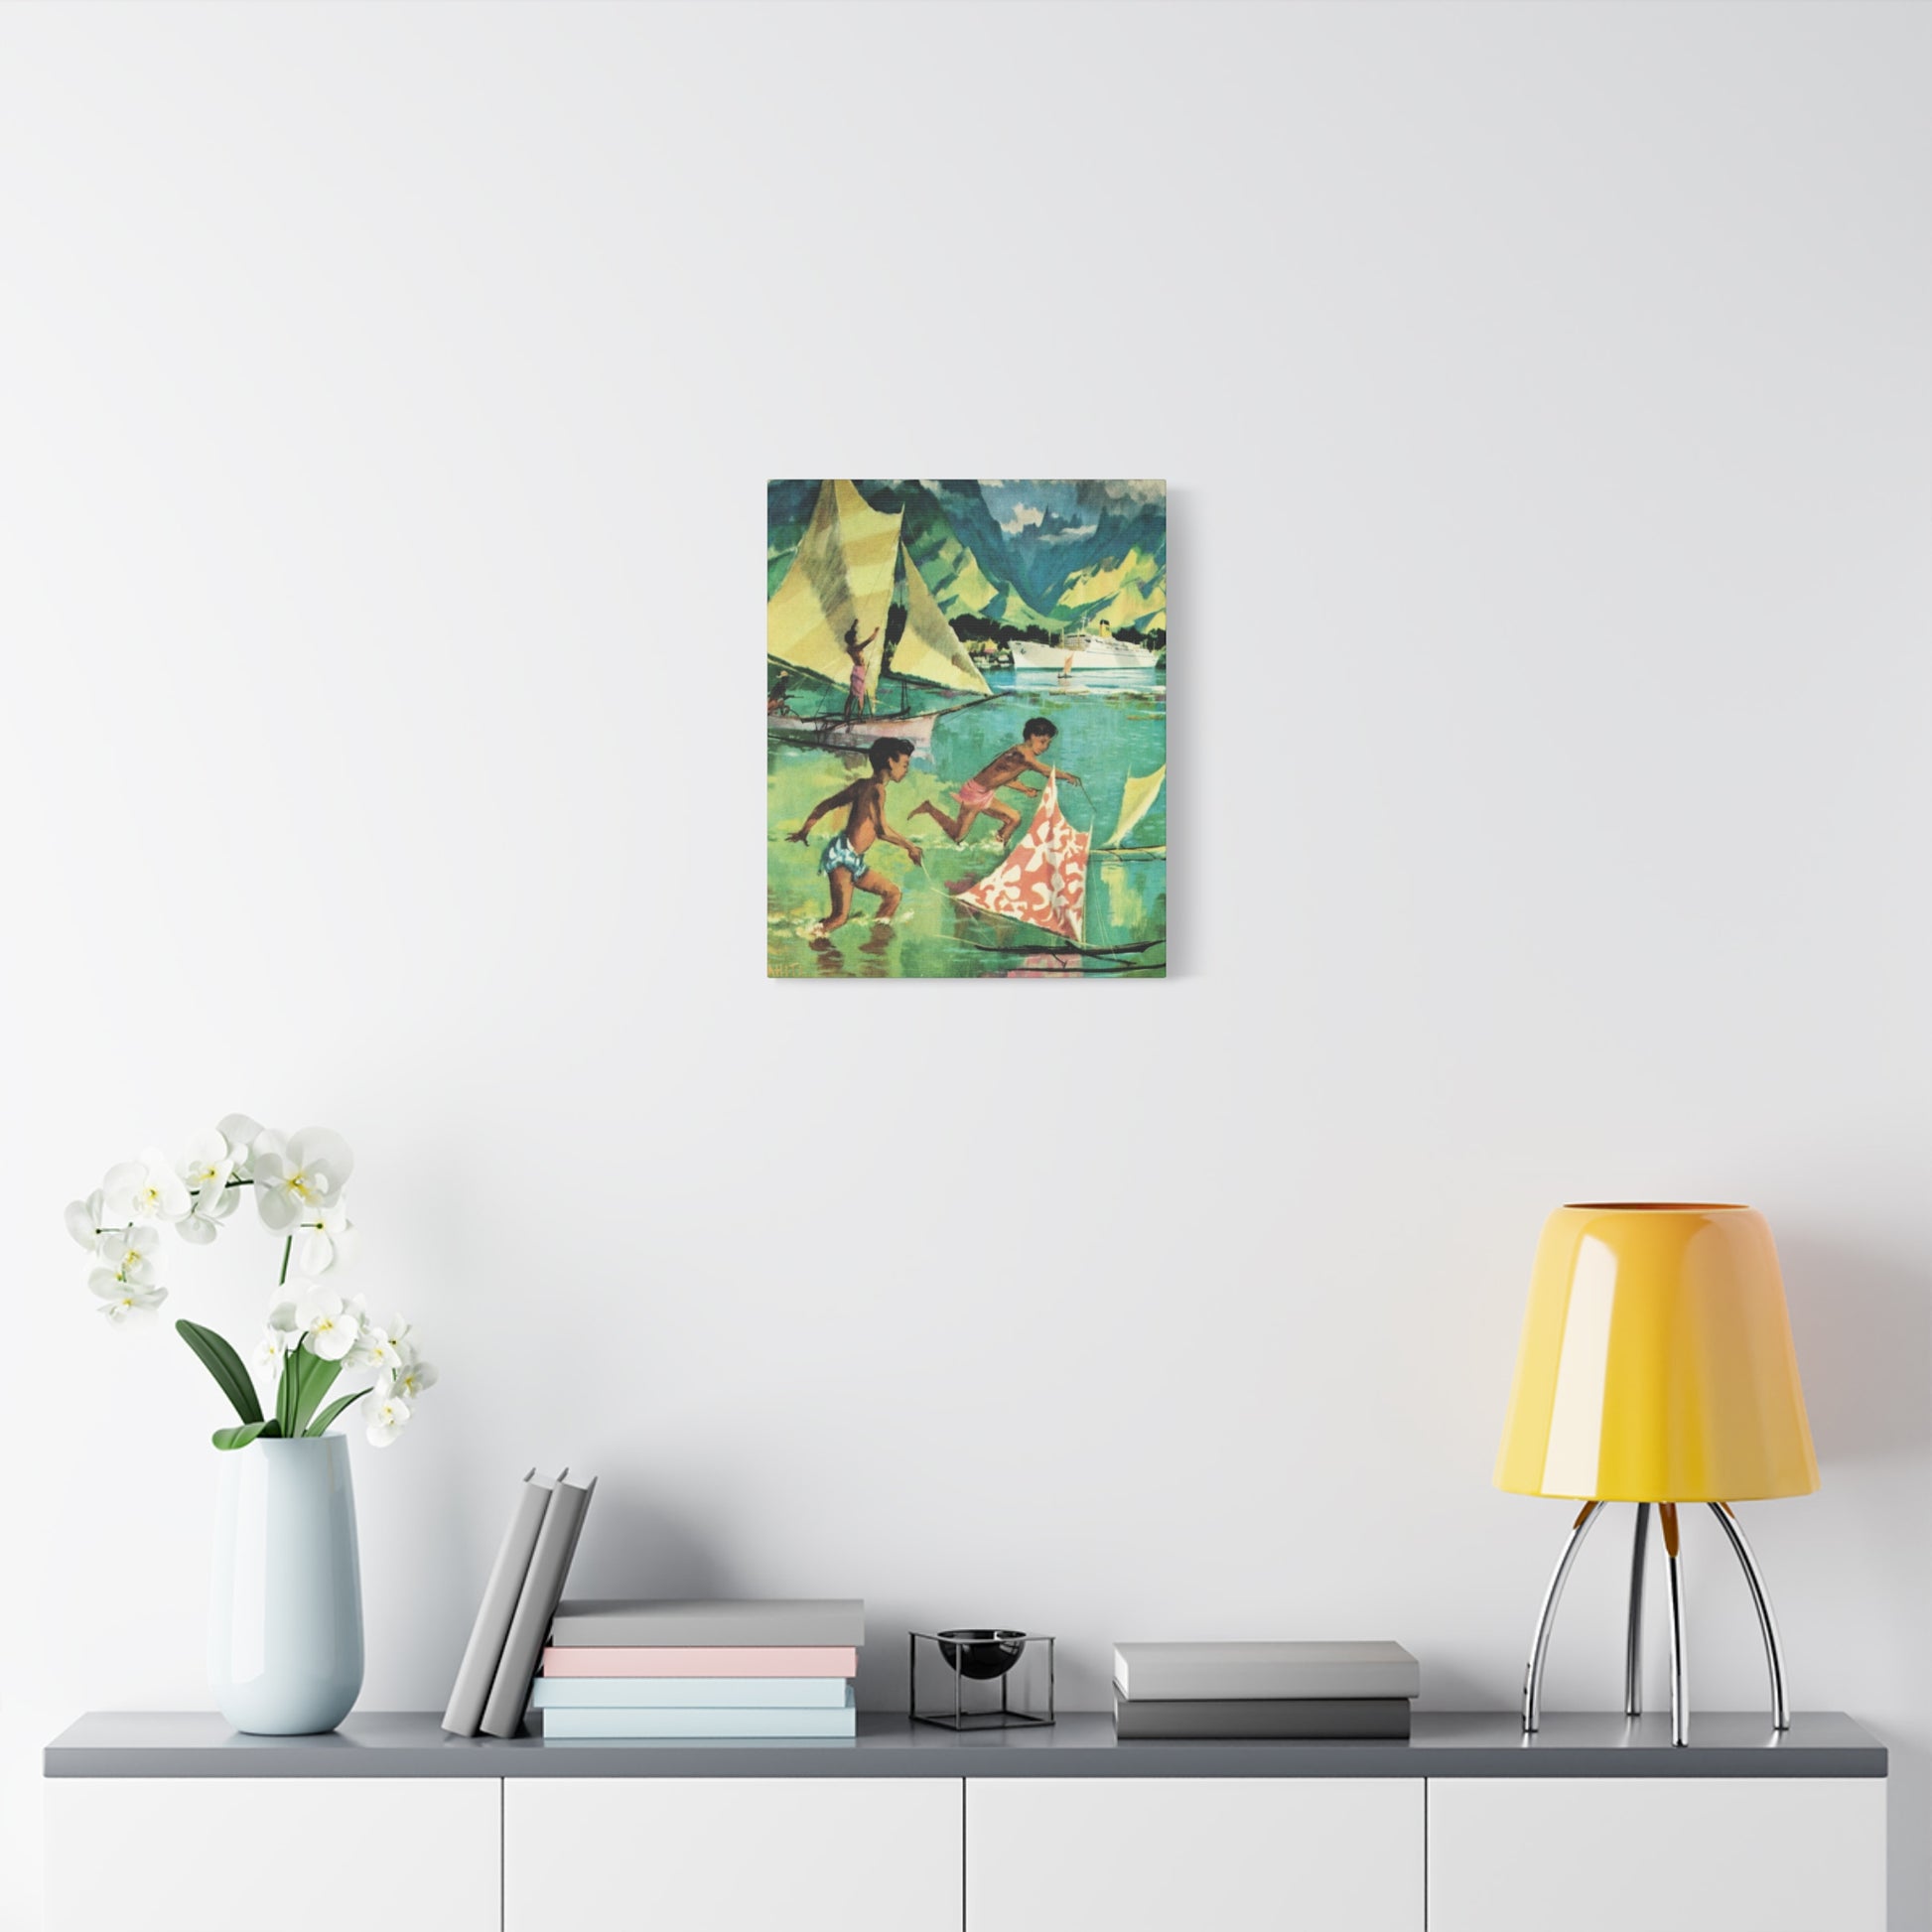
<point>732,1855</point>
<point>1671,1855</point>
<point>1180,1855</point>
<point>271,1854</point>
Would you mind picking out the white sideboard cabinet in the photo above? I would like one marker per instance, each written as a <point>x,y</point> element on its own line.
<point>713,1855</point>
<point>1777,1854</point>
<point>1158,1854</point>
<point>244,1854</point>
<point>173,1823</point>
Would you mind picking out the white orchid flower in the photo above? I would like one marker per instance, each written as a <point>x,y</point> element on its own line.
<point>122,1299</point>
<point>211,1207</point>
<point>132,1252</point>
<point>241,1134</point>
<point>388,1417</point>
<point>325,1243</point>
<point>375,1349</point>
<point>295,1181</point>
<point>85,1217</point>
<point>209,1162</point>
<point>144,1189</point>
<point>333,1326</point>
<point>283,1335</point>
<point>409,1380</point>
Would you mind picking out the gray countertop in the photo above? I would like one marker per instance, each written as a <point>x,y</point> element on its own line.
<point>1446,1744</point>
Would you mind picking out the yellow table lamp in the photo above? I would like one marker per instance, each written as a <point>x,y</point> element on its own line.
<point>1656,1366</point>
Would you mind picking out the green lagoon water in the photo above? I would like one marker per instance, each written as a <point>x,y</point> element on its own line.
<point>1106,732</point>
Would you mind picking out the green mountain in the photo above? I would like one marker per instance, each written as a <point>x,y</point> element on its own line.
<point>961,583</point>
<point>1116,591</point>
<point>1113,575</point>
<point>1041,559</point>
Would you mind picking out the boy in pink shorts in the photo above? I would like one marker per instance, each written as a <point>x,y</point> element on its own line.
<point>976,794</point>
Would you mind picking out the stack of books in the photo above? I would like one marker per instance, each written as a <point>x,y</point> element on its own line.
<point>1263,1690</point>
<point>639,1668</point>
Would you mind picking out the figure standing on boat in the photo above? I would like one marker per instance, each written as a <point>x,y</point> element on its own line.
<point>844,862</point>
<point>856,704</point>
<point>976,795</point>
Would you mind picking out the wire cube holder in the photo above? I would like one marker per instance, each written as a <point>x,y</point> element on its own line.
<point>980,1680</point>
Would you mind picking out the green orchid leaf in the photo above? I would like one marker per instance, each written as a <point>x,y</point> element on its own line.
<point>317,1377</point>
<point>288,1390</point>
<point>319,1427</point>
<point>241,1435</point>
<point>221,1362</point>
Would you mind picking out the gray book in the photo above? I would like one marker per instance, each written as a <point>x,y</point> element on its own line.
<point>1266,1670</point>
<point>1280,1717</point>
<point>488,1634</point>
<point>536,1604</point>
<point>789,1622</point>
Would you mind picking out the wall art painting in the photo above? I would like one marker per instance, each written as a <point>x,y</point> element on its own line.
<point>966,728</point>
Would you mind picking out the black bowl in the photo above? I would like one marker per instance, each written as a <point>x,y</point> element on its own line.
<point>981,1654</point>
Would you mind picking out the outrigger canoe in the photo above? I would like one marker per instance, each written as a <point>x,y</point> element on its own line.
<point>835,734</point>
<point>850,568</point>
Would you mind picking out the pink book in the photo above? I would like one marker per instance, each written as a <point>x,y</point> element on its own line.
<point>733,1660</point>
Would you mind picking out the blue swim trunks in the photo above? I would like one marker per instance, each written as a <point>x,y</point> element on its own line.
<point>839,854</point>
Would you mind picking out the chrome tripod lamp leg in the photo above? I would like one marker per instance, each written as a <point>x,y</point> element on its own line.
<point>1633,1640</point>
<point>1540,1643</point>
<point>1766,1622</point>
<point>1680,1696</point>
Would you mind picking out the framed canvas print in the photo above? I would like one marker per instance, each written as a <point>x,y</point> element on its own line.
<point>966,728</point>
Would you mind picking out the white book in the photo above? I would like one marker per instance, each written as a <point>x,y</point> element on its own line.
<point>1155,1670</point>
<point>484,1650</point>
<point>536,1604</point>
<point>695,1726</point>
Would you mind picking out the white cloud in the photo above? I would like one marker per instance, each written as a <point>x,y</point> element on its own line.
<point>1024,517</point>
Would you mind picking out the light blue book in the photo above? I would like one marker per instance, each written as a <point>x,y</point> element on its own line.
<point>692,1693</point>
<point>647,1724</point>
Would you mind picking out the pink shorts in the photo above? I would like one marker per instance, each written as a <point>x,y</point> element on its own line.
<point>974,794</point>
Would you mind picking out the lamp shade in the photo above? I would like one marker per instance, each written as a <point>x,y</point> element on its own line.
<point>1656,1362</point>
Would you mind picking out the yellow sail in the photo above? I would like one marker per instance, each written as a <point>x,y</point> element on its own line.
<point>927,651</point>
<point>841,576</point>
<point>1136,798</point>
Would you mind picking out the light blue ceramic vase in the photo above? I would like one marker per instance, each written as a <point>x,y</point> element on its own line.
<point>285,1632</point>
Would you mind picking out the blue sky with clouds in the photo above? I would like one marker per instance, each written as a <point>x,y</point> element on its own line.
<point>1065,508</point>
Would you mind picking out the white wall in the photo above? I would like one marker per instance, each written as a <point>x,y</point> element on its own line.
<point>385,398</point>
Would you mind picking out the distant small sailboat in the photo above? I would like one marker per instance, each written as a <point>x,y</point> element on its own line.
<point>850,566</point>
<point>1136,801</point>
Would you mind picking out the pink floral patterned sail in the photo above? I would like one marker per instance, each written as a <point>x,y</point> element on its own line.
<point>1044,880</point>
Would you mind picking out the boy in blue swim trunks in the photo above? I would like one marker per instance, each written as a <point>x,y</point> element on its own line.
<point>844,862</point>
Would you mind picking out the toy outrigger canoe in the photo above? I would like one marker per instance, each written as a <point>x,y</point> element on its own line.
<point>1136,801</point>
<point>1041,883</point>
